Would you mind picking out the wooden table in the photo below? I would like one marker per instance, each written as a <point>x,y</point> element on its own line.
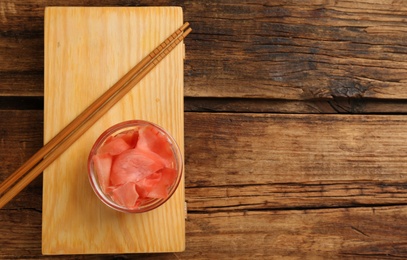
<point>295,128</point>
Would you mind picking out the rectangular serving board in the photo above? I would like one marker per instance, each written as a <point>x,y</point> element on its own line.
<point>87,50</point>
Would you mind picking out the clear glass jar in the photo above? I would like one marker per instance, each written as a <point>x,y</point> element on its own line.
<point>105,188</point>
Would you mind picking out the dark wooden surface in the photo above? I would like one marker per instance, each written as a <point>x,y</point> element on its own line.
<point>295,128</point>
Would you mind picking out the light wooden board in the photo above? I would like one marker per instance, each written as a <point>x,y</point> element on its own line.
<point>86,51</point>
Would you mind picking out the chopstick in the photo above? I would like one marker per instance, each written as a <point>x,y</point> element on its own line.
<point>24,175</point>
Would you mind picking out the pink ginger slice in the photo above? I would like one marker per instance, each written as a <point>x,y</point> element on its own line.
<point>150,139</point>
<point>133,165</point>
<point>102,165</point>
<point>115,146</point>
<point>125,195</point>
<point>130,137</point>
<point>156,185</point>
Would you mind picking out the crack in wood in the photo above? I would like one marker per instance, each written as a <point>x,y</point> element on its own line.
<point>359,231</point>
<point>220,209</point>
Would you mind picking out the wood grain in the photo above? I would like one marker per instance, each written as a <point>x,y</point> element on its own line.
<point>293,50</point>
<point>316,106</point>
<point>266,148</point>
<point>280,50</point>
<point>87,51</point>
<point>340,195</point>
<point>20,137</point>
<point>333,216</point>
<point>361,233</point>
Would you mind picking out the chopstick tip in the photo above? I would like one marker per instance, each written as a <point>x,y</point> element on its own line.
<point>184,26</point>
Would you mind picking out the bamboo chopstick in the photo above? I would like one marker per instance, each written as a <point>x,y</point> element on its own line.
<point>57,145</point>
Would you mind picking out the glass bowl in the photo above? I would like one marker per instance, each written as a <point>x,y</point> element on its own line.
<point>137,173</point>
